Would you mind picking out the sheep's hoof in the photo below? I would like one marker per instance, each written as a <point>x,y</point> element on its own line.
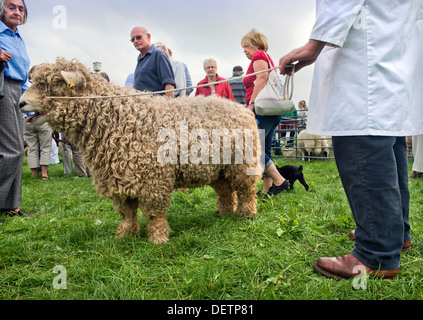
<point>158,238</point>
<point>158,241</point>
<point>124,234</point>
<point>127,230</point>
<point>158,231</point>
<point>246,215</point>
<point>225,213</point>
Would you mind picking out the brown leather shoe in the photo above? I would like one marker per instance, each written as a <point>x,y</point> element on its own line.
<point>405,248</point>
<point>344,267</point>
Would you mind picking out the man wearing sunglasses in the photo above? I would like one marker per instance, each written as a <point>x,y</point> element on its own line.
<point>153,71</point>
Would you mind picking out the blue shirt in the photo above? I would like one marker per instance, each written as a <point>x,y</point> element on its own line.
<point>153,71</point>
<point>18,66</point>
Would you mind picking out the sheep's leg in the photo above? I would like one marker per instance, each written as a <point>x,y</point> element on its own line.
<point>247,202</point>
<point>158,229</point>
<point>127,208</point>
<point>245,188</point>
<point>226,197</point>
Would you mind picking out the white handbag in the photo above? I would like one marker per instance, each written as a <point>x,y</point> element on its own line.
<point>275,98</point>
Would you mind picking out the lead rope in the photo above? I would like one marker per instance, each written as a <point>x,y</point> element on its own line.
<point>289,83</point>
<point>176,90</point>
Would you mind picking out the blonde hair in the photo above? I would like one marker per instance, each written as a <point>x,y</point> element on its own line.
<point>256,39</point>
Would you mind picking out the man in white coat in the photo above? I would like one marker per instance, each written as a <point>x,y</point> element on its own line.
<point>367,93</point>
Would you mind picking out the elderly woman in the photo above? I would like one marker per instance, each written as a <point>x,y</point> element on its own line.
<point>255,47</point>
<point>14,58</point>
<point>223,89</point>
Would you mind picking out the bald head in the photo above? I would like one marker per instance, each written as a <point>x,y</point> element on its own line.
<point>141,30</point>
<point>141,39</point>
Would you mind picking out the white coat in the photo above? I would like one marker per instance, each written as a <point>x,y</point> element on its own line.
<point>368,80</point>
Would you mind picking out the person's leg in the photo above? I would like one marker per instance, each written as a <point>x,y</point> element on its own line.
<point>33,154</point>
<point>371,170</point>
<point>272,176</point>
<point>11,148</point>
<point>67,158</point>
<point>45,137</point>
<point>417,142</point>
<point>400,149</point>
<point>79,163</point>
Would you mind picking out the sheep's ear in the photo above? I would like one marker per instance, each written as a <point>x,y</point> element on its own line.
<point>73,79</point>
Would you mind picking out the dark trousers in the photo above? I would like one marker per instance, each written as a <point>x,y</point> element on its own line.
<point>374,173</point>
<point>11,146</point>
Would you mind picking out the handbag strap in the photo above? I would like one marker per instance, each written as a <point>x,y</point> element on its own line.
<point>289,81</point>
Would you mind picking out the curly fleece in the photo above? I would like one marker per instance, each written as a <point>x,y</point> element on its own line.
<point>119,141</point>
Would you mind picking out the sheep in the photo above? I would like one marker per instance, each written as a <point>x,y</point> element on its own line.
<point>310,145</point>
<point>137,146</point>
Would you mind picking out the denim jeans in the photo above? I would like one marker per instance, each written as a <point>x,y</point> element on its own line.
<point>374,173</point>
<point>269,125</point>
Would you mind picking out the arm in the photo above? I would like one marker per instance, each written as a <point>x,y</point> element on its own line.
<point>259,65</point>
<point>305,56</point>
<point>333,23</point>
<point>169,94</point>
<point>165,73</point>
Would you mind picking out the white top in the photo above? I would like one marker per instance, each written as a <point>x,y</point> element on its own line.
<point>180,77</point>
<point>369,78</point>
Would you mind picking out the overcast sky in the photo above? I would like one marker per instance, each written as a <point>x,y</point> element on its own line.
<point>99,30</point>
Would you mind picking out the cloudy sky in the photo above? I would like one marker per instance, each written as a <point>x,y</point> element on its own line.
<point>98,30</point>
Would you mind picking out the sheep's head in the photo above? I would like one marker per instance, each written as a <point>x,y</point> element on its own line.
<point>62,79</point>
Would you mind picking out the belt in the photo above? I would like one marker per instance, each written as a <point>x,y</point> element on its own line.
<point>10,80</point>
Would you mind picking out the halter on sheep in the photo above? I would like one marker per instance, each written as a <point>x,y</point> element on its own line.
<point>119,141</point>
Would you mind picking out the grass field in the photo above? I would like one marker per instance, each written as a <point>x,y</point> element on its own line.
<point>208,257</point>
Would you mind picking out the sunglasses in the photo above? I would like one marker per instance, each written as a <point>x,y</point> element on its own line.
<point>138,38</point>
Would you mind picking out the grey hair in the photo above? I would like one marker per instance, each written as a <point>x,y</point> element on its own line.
<point>209,60</point>
<point>2,8</point>
<point>159,44</point>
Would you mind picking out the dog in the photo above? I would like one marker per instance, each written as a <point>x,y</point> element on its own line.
<point>292,174</point>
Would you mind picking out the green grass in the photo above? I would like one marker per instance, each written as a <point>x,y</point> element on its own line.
<point>208,257</point>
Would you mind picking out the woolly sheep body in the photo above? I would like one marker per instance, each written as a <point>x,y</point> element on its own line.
<point>119,141</point>
<point>313,145</point>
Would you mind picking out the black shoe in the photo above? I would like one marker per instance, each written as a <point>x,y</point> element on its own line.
<point>13,213</point>
<point>275,190</point>
<point>262,196</point>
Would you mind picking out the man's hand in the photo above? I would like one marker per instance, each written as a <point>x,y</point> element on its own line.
<point>169,94</point>
<point>305,56</point>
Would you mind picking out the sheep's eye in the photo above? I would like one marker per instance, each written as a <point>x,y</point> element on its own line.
<point>40,84</point>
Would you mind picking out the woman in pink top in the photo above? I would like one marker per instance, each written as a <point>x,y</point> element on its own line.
<point>255,47</point>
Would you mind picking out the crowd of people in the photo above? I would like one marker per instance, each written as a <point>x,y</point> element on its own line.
<point>367,122</point>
